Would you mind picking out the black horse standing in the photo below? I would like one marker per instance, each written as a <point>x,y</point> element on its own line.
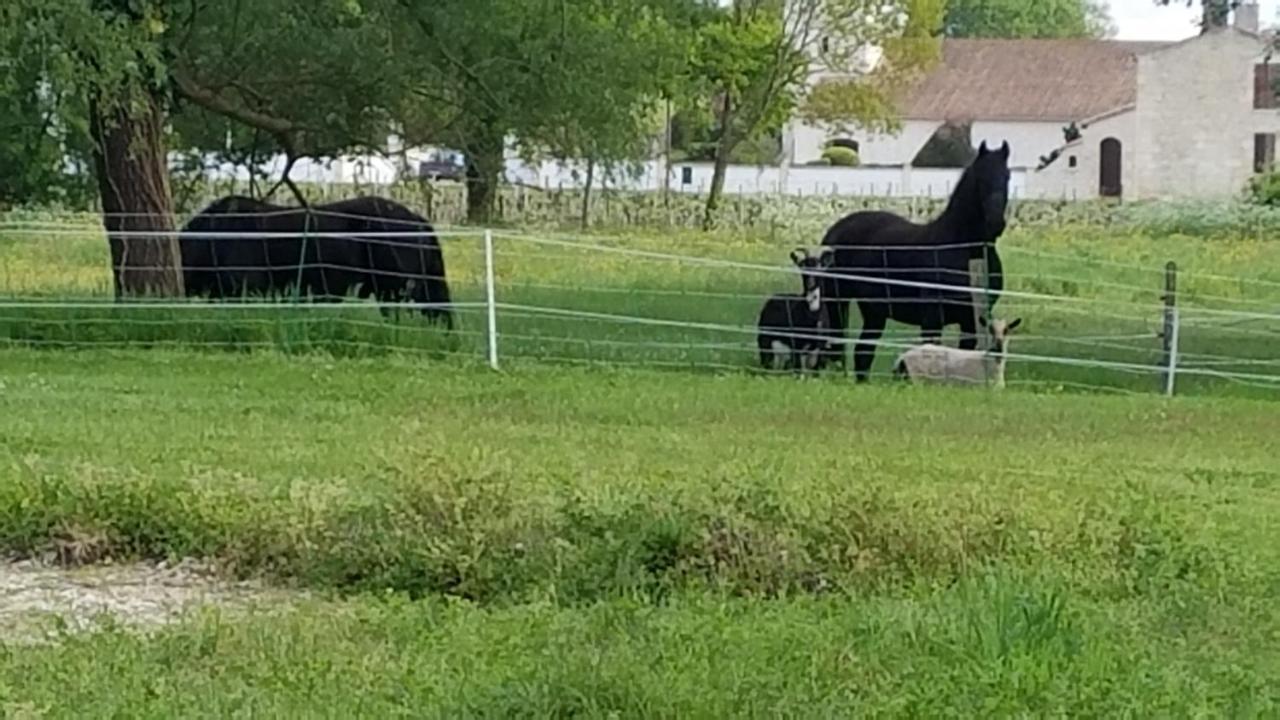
<point>240,246</point>
<point>873,246</point>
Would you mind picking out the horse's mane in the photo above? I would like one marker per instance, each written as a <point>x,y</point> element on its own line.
<point>375,208</point>
<point>242,205</point>
<point>964,197</point>
<point>964,207</point>
<point>362,210</point>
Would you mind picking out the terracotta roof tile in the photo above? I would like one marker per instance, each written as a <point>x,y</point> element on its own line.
<point>1030,80</point>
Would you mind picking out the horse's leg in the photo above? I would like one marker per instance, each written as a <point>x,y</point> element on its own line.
<point>931,323</point>
<point>968,330</point>
<point>864,353</point>
<point>838,317</point>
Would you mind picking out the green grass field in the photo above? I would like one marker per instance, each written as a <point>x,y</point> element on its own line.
<point>595,300</point>
<point>625,522</point>
<point>547,542</point>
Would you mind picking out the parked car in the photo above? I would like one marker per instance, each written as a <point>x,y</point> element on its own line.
<point>443,166</point>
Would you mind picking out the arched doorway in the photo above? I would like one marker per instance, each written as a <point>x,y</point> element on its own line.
<point>1110,182</point>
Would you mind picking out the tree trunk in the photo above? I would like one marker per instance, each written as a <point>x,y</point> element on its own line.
<point>586,194</point>
<point>133,181</point>
<point>724,148</point>
<point>484,168</point>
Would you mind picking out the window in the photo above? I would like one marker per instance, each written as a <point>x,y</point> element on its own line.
<point>1072,162</point>
<point>826,45</point>
<point>1264,152</point>
<point>1264,86</point>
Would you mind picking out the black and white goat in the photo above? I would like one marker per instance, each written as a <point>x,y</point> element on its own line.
<point>794,329</point>
<point>941,364</point>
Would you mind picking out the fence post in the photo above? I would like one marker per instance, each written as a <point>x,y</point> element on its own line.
<point>1169,335</point>
<point>490,303</point>
<point>980,282</point>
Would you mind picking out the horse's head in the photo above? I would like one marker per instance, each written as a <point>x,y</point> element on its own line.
<point>990,177</point>
<point>811,270</point>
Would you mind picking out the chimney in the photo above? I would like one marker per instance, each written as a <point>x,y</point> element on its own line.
<point>1247,17</point>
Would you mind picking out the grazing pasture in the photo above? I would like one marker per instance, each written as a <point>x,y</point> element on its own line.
<point>634,518</point>
<point>552,541</point>
<point>1092,309</point>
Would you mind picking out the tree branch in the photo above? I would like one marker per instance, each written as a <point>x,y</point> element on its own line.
<point>290,159</point>
<point>210,100</point>
<point>443,47</point>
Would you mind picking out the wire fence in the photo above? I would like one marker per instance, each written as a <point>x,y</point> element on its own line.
<point>1089,325</point>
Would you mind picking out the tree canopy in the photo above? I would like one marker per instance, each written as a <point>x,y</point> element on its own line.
<point>116,84</point>
<point>1214,13</point>
<point>1022,19</point>
<point>561,79</point>
<point>756,63</point>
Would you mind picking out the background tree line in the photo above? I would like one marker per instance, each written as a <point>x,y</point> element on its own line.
<point>94,94</point>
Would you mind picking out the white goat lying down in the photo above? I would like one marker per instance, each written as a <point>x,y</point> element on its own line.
<point>941,364</point>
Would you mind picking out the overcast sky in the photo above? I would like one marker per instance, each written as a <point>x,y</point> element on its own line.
<point>1144,20</point>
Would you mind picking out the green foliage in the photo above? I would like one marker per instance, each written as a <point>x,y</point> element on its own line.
<point>1020,19</point>
<point>950,146</point>
<point>841,157</point>
<point>1214,13</point>
<point>1264,189</point>
<point>54,57</point>
<point>752,63</point>
<point>906,33</point>
<point>576,80</point>
<point>40,129</point>
<point>323,77</point>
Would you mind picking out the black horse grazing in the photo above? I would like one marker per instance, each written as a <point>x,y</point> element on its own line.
<point>874,246</point>
<point>326,252</point>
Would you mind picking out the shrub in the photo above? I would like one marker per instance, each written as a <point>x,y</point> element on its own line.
<point>841,157</point>
<point>1264,188</point>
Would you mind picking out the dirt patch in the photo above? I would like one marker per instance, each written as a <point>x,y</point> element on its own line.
<point>35,599</point>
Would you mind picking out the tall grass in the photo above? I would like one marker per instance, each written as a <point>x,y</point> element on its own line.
<point>994,646</point>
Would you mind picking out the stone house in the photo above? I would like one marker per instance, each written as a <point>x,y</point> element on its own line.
<point>1091,118</point>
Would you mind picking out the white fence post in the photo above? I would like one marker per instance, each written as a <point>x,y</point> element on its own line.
<point>491,304</point>
<point>1170,334</point>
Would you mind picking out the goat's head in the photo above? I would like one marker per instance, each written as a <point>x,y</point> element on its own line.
<point>811,269</point>
<point>1000,331</point>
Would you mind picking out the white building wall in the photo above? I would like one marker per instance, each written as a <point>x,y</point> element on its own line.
<point>751,180</point>
<point>1060,181</point>
<point>1195,118</point>
<point>898,148</point>
<point>1027,141</point>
